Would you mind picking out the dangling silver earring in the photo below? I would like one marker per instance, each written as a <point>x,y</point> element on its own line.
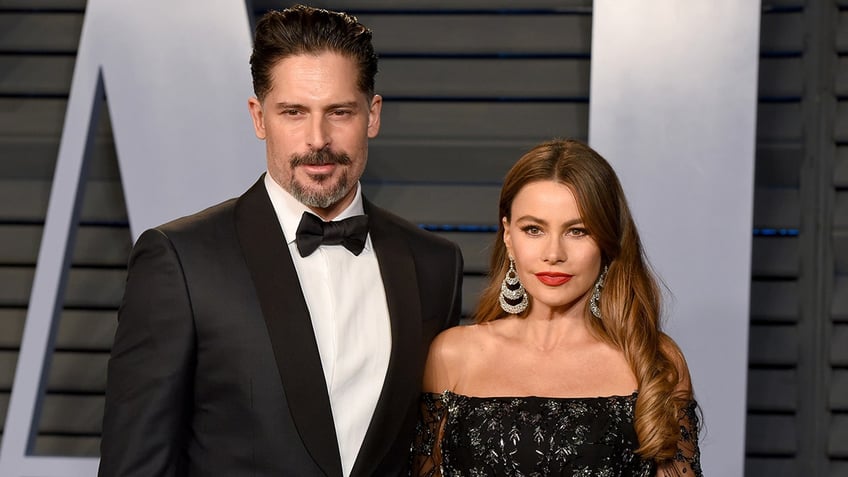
<point>513,293</point>
<point>594,306</point>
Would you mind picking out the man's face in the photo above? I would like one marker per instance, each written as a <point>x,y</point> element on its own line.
<point>316,124</point>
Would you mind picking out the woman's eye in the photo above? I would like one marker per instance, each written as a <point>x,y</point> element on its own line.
<point>577,232</point>
<point>532,230</point>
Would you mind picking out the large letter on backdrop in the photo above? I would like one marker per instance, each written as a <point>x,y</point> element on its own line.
<point>177,79</point>
<point>673,106</point>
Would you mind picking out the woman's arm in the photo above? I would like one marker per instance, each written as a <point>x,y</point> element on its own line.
<point>687,461</point>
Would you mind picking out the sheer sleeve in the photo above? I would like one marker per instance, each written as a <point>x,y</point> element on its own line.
<point>425,453</point>
<point>687,461</point>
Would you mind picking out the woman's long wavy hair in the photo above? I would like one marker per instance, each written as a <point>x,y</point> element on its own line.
<point>630,299</point>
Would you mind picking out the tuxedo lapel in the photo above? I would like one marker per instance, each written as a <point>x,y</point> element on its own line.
<point>397,270</point>
<point>289,325</point>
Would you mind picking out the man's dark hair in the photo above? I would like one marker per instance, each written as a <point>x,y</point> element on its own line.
<point>303,30</point>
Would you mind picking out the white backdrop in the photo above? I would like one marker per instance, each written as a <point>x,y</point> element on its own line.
<point>673,107</point>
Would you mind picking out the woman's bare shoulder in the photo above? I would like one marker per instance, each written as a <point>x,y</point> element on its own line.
<point>451,353</point>
<point>454,343</point>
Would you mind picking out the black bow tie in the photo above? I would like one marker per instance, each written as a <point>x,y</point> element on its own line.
<point>314,232</point>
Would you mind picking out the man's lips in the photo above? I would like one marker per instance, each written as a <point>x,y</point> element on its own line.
<point>319,169</point>
<point>553,278</point>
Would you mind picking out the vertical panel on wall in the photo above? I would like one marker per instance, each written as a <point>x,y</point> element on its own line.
<point>835,182</point>
<point>774,344</point>
<point>673,108</point>
<point>797,203</point>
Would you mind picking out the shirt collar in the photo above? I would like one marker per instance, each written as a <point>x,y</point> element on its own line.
<point>289,210</point>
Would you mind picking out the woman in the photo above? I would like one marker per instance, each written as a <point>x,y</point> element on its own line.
<point>566,370</point>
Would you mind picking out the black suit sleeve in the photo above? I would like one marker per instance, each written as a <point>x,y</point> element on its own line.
<point>150,371</point>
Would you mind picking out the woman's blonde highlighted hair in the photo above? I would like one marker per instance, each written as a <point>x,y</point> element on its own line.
<point>630,299</point>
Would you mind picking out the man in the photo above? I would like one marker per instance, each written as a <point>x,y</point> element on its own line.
<point>245,344</point>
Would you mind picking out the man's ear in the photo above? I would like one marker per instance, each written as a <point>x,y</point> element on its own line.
<point>257,115</point>
<point>374,116</point>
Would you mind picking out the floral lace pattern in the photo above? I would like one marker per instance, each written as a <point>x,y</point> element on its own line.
<point>537,436</point>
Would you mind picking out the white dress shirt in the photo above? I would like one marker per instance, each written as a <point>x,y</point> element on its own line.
<point>347,304</point>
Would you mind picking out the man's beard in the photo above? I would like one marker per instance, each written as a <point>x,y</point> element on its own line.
<point>320,198</point>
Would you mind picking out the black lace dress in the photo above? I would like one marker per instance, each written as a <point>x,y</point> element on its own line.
<point>537,436</point>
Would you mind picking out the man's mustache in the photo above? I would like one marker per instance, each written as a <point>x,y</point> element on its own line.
<point>319,158</point>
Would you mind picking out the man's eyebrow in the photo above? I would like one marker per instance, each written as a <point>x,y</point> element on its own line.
<point>344,104</point>
<point>286,105</point>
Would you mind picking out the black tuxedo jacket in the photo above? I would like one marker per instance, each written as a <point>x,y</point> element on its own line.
<point>215,369</point>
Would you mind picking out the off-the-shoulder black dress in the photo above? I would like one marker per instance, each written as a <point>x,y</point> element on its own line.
<point>541,436</point>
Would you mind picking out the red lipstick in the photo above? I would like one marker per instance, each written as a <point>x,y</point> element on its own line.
<point>553,278</point>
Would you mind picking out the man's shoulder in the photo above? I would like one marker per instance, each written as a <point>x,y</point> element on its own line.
<point>215,216</point>
<point>210,217</point>
<point>211,229</point>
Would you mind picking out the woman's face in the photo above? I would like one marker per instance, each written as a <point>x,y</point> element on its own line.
<point>555,257</point>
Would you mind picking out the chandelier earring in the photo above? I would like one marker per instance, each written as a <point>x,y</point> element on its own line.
<point>513,297</point>
<point>594,302</point>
